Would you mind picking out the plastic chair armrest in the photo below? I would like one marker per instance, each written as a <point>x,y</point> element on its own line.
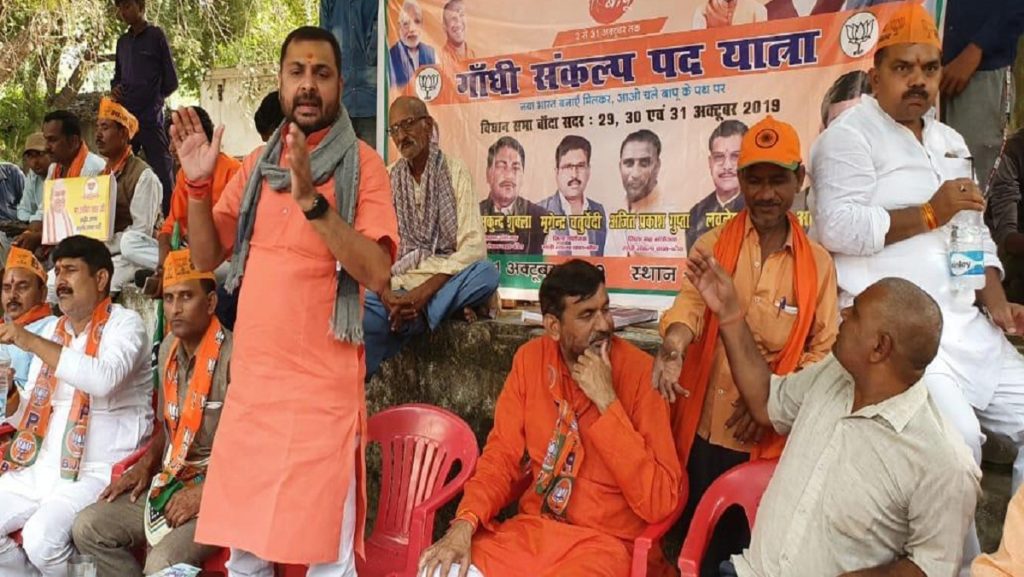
<point>122,466</point>
<point>655,531</point>
<point>420,533</point>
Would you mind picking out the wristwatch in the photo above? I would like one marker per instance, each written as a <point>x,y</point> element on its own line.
<point>318,209</point>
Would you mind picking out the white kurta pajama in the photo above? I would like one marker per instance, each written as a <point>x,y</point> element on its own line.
<point>35,499</point>
<point>866,163</point>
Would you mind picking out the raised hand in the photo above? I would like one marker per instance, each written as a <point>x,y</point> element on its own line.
<point>196,154</point>
<point>303,190</point>
<point>713,283</point>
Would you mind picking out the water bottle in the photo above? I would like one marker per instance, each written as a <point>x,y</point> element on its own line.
<point>5,380</point>
<point>967,251</point>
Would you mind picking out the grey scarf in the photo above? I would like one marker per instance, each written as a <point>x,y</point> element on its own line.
<point>337,157</point>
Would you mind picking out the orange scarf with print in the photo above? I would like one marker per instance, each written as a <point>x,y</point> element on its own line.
<point>75,170</point>
<point>563,458</point>
<point>183,422</point>
<point>697,365</point>
<point>23,449</point>
<point>40,311</point>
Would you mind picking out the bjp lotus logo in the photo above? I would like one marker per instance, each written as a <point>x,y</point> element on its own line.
<point>608,11</point>
<point>860,33</point>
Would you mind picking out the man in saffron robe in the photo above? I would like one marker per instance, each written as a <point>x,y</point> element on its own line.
<point>604,471</point>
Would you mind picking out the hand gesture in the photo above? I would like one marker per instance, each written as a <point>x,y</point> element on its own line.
<point>668,368</point>
<point>13,334</point>
<point>746,428</point>
<point>713,283</point>
<point>593,373</point>
<point>954,196</point>
<point>135,480</point>
<point>719,13</point>
<point>303,191</point>
<point>454,548</point>
<point>196,154</point>
<point>1009,317</point>
<point>183,506</point>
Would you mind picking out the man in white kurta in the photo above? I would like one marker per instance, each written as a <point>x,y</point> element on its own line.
<point>38,499</point>
<point>888,178</point>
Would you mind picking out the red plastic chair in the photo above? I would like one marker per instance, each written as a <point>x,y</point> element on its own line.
<point>419,444</point>
<point>743,485</point>
<point>642,545</point>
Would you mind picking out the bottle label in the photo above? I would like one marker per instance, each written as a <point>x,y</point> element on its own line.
<point>967,262</point>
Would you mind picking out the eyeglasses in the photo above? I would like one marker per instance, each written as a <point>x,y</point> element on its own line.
<point>404,126</point>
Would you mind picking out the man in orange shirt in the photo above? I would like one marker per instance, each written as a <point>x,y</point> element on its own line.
<point>578,404</point>
<point>148,252</point>
<point>787,284</point>
<point>309,215</point>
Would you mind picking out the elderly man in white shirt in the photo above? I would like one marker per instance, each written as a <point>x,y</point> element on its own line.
<point>87,406</point>
<point>873,481</point>
<point>888,178</point>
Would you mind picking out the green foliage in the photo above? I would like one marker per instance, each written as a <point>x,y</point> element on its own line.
<point>50,49</point>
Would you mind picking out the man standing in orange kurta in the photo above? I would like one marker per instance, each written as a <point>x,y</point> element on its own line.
<point>787,285</point>
<point>310,222</point>
<point>578,404</point>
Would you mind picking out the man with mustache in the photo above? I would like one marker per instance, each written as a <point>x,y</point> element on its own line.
<point>572,173</point>
<point>639,166</point>
<point>506,163</point>
<point>23,296</point>
<point>578,412</point>
<point>787,286</point>
<point>87,406</point>
<point>726,200</point>
<point>157,500</point>
<point>71,158</point>
<point>888,178</point>
<point>139,192</point>
<point>456,50</point>
<point>309,215</point>
<point>410,52</point>
<point>442,267</point>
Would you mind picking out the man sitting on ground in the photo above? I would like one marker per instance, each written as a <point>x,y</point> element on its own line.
<point>873,480</point>
<point>88,406</point>
<point>442,266</point>
<point>169,477</point>
<point>605,471</point>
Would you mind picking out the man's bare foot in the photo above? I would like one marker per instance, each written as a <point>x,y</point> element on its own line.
<point>473,314</point>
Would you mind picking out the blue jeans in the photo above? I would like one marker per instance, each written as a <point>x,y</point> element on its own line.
<point>471,287</point>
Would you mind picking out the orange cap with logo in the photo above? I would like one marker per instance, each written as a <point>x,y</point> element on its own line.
<point>21,258</point>
<point>178,268</point>
<point>770,141</point>
<point>110,110</point>
<point>911,24</point>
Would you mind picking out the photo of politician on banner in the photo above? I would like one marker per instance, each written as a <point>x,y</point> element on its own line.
<point>610,129</point>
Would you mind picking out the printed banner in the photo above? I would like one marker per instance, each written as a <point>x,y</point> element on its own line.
<point>610,130</point>
<point>82,205</point>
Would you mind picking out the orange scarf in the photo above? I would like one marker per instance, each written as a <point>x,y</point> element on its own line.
<point>183,422</point>
<point>40,311</point>
<point>76,165</point>
<point>564,455</point>
<point>23,449</point>
<point>114,167</point>
<point>697,366</point>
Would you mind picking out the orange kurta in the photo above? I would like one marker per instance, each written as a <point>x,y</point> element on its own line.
<point>223,172</point>
<point>286,444</point>
<point>629,478</point>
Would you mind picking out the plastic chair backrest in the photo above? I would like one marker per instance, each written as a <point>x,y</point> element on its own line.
<point>743,485</point>
<point>419,445</point>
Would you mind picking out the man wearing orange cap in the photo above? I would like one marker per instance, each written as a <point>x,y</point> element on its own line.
<point>157,500</point>
<point>62,132</point>
<point>24,301</point>
<point>889,178</point>
<point>787,287</point>
<point>139,191</point>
